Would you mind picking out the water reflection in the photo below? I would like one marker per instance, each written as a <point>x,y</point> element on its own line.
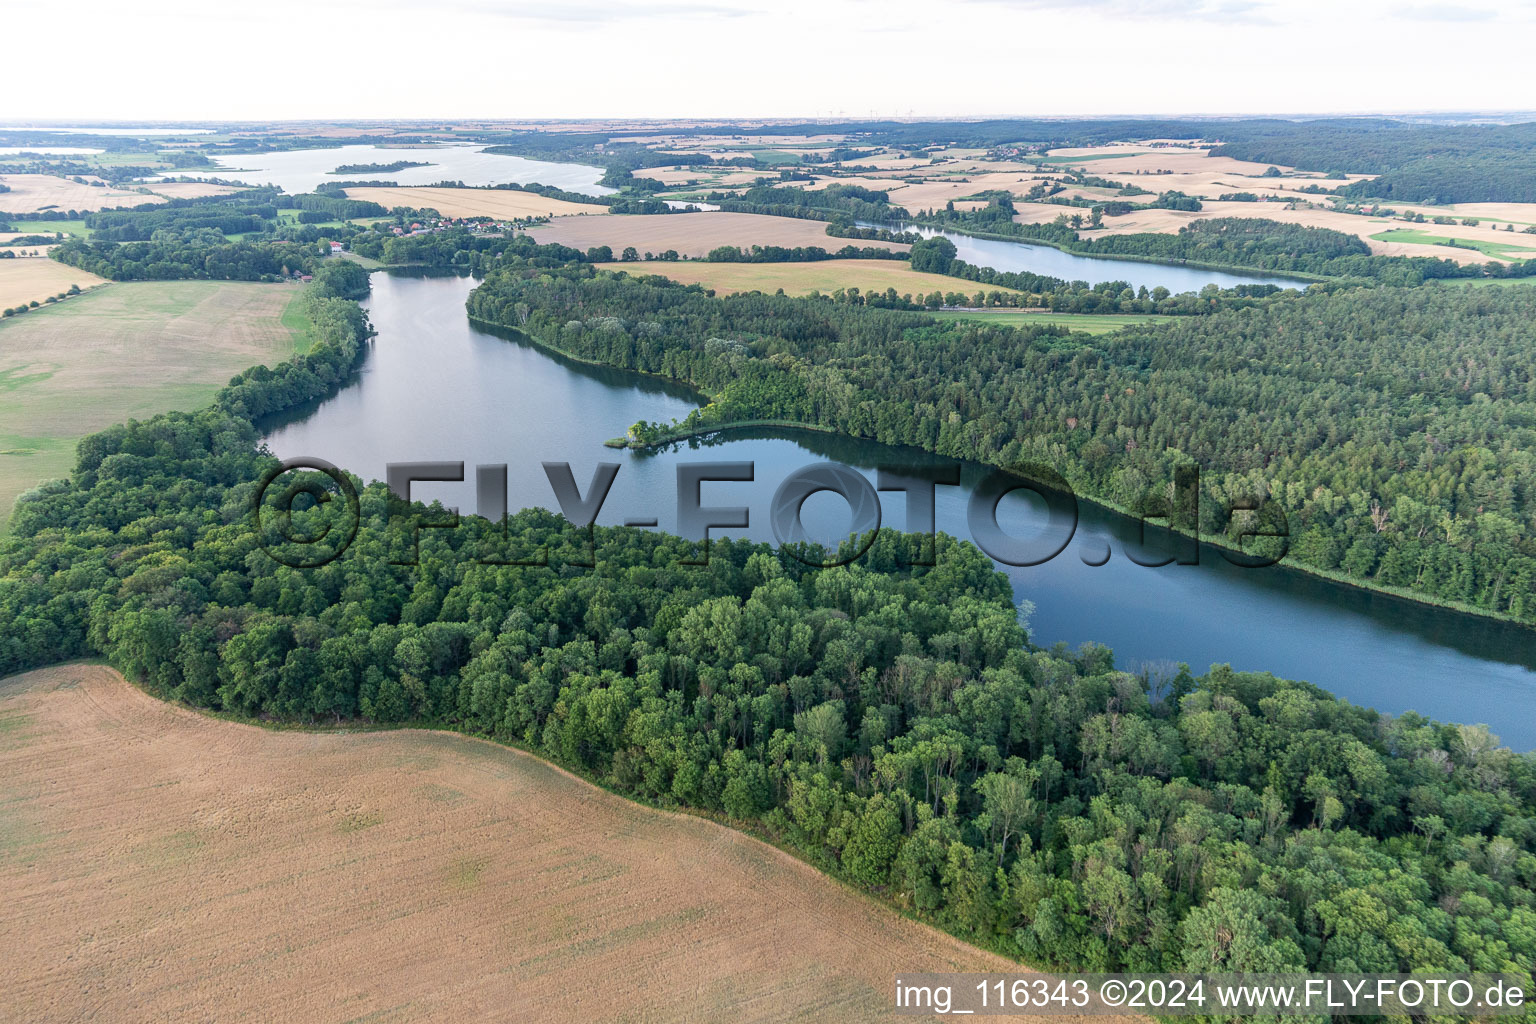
<point>436,388</point>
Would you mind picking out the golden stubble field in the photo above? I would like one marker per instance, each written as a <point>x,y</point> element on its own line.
<point>34,193</point>
<point>161,865</point>
<point>1364,227</point>
<point>189,189</point>
<point>130,349</point>
<point>826,276</point>
<point>25,279</point>
<point>500,204</point>
<point>692,234</point>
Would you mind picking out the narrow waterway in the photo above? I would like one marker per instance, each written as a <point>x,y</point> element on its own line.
<point>435,388</point>
<point>1052,262</point>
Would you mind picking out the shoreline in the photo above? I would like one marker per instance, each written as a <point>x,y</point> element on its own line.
<point>1213,541</point>
<point>993,236</point>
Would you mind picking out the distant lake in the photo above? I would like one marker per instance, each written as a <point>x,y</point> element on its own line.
<point>436,388</point>
<point>300,170</point>
<point>1069,266</point>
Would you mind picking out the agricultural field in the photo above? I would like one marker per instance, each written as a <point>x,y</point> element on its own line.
<point>692,234</point>
<point>500,204</point>
<point>933,194</point>
<point>125,350</point>
<point>176,866</point>
<point>35,193</point>
<point>1385,236</point>
<point>189,189</point>
<point>1497,249</point>
<point>1088,323</point>
<point>802,278</point>
<point>75,227</point>
<point>29,279</point>
<point>703,177</point>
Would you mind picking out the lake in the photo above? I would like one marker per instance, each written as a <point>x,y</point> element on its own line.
<point>300,170</point>
<point>435,388</point>
<point>1053,262</point>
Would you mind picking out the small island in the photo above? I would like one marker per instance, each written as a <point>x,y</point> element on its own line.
<point>389,168</point>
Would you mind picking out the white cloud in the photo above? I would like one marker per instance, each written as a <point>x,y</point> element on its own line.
<point>1445,12</point>
<point>309,59</point>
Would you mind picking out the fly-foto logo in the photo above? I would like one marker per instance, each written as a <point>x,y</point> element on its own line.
<point>1175,507</point>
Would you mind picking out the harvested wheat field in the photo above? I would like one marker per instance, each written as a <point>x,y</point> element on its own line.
<point>34,193</point>
<point>163,865</point>
<point>1365,228</point>
<point>1130,159</point>
<point>24,280</point>
<point>132,349</point>
<point>715,177</point>
<point>928,195</point>
<point>693,234</point>
<point>499,204</point>
<point>189,189</point>
<point>801,278</point>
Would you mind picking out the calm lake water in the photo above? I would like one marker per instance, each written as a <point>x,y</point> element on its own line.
<point>300,170</point>
<point>1043,259</point>
<point>435,388</point>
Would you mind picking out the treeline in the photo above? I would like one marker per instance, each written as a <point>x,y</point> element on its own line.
<point>835,202</point>
<point>1401,464</point>
<point>140,223</point>
<point>251,211</point>
<point>891,724</point>
<point>334,207</point>
<point>191,255</point>
<point>621,165</point>
<point>462,248</point>
<point>1291,248</point>
<point>551,192</point>
<point>840,228</point>
<point>937,256</point>
<point>1471,178</point>
<point>798,254</point>
<point>1249,242</point>
<point>340,327</point>
<point>1414,162</point>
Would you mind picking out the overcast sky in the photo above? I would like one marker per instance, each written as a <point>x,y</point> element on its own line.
<point>206,59</point>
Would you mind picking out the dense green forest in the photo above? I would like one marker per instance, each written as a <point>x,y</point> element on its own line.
<point>892,724</point>
<point>179,255</point>
<point>1415,163</point>
<point>1393,428</point>
<point>389,168</point>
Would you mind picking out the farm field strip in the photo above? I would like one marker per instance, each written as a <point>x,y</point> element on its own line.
<point>37,193</point>
<point>396,875</point>
<point>500,204</point>
<point>128,350</point>
<point>1088,323</point>
<point>826,276</point>
<point>692,234</point>
<point>29,279</point>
